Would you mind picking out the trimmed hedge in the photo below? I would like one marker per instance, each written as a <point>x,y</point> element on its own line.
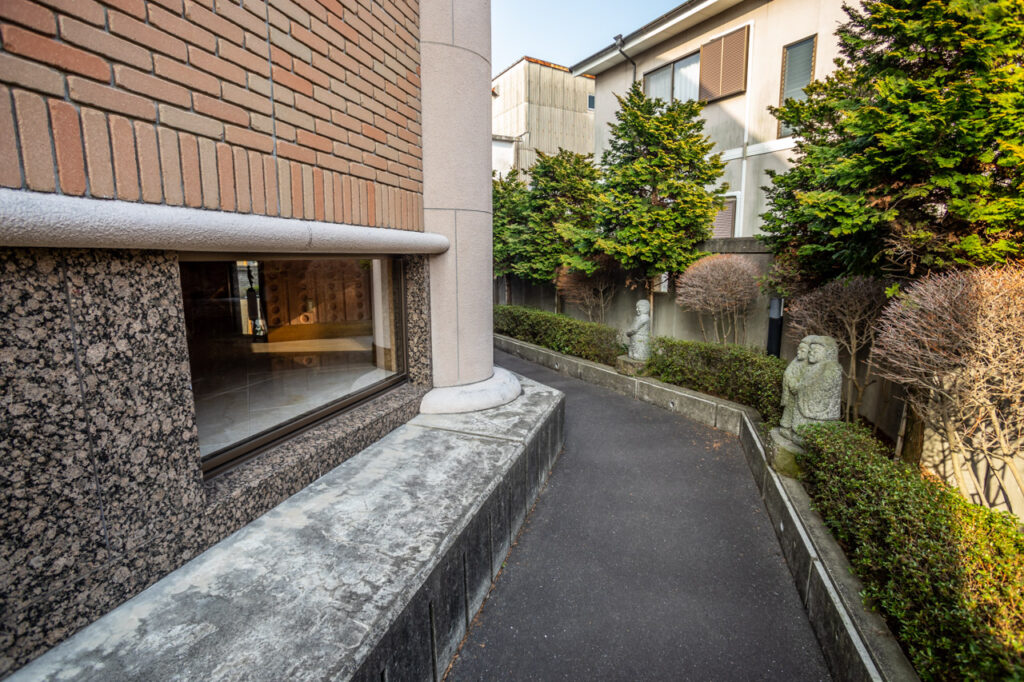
<point>736,373</point>
<point>947,575</point>
<point>587,340</point>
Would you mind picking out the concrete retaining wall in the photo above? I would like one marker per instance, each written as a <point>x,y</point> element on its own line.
<point>856,643</point>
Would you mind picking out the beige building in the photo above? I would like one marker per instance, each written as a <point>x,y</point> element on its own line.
<point>740,56</point>
<point>537,106</point>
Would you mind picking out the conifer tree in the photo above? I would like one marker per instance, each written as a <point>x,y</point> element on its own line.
<point>658,198</point>
<point>910,157</point>
<point>561,213</point>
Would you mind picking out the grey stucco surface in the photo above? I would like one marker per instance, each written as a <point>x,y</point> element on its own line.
<point>311,589</point>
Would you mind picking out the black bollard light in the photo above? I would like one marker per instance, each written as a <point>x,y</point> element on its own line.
<point>775,326</point>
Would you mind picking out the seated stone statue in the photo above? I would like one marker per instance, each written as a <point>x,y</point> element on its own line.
<point>816,390</point>
<point>640,333</point>
<point>790,385</point>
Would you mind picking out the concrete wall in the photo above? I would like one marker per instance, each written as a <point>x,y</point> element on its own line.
<point>544,107</point>
<point>740,125</point>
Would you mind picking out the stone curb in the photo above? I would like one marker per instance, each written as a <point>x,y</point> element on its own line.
<point>857,643</point>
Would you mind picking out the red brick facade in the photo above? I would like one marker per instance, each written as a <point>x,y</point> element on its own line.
<point>294,108</point>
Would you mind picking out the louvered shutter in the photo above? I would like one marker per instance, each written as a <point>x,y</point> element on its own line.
<point>723,65</point>
<point>725,220</point>
<point>734,63</point>
<point>710,70</point>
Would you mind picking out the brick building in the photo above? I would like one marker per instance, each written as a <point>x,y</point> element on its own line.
<point>232,236</point>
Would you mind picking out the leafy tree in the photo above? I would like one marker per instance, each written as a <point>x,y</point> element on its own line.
<point>560,225</point>
<point>655,202</point>
<point>510,201</point>
<point>909,157</point>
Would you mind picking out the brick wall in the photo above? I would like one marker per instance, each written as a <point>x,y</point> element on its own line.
<point>293,108</point>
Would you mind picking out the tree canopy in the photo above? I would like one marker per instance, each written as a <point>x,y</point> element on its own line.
<point>658,196</point>
<point>909,157</point>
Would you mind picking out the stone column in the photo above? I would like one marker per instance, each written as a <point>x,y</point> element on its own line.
<point>455,43</point>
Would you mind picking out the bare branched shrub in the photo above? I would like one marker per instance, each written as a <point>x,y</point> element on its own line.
<point>722,286</point>
<point>847,311</point>
<point>592,293</point>
<point>955,342</point>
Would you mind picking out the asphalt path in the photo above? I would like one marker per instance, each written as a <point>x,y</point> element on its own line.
<point>648,556</point>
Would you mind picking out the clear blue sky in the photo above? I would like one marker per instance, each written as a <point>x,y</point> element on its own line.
<point>564,31</point>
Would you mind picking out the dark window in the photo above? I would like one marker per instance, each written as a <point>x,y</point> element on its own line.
<point>278,345</point>
<point>725,220</point>
<point>797,73</point>
<point>590,102</point>
<point>723,66</point>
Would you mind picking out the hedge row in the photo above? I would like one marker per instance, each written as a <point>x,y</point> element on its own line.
<point>947,575</point>
<point>735,373</point>
<point>587,340</point>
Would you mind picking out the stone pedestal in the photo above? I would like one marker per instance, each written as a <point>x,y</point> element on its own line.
<point>783,456</point>
<point>628,366</point>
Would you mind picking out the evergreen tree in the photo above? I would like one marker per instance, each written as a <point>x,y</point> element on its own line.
<point>910,157</point>
<point>560,225</point>
<point>510,200</point>
<point>656,205</point>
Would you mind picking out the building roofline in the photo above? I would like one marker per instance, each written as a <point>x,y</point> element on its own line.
<point>534,60</point>
<point>671,23</point>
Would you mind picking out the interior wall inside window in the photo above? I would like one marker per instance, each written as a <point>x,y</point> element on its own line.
<point>275,342</point>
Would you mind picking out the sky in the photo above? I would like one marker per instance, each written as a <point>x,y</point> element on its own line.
<point>564,31</point>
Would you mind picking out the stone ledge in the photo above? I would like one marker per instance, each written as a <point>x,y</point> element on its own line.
<point>857,644</point>
<point>704,409</point>
<point>371,572</point>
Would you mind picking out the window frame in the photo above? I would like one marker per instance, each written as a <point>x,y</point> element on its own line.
<point>670,66</point>
<point>782,72</point>
<point>221,461</point>
<point>735,198</point>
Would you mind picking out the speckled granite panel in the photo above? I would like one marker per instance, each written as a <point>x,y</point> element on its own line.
<point>51,526</point>
<point>129,399</point>
<point>417,322</point>
<point>127,307</point>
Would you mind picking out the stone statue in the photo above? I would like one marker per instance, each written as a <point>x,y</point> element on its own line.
<point>812,387</point>
<point>640,333</point>
<point>790,385</point>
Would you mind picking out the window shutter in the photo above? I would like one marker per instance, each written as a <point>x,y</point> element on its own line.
<point>725,221</point>
<point>734,62</point>
<point>723,65</point>
<point>710,70</point>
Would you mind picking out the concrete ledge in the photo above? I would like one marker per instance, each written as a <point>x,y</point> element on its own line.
<point>704,409</point>
<point>372,572</point>
<point>857,644</point>
<point>50,220</point>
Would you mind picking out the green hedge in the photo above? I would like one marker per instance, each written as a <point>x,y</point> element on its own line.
<point>735,373</point>
<point>587,340</point>
<point>947,575</point>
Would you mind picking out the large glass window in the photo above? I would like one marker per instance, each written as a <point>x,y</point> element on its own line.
<point>658,84</point>
<point>277,345</point>
<point>686,78</point>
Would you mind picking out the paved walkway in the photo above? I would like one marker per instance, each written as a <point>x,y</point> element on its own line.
<point>648,557</point>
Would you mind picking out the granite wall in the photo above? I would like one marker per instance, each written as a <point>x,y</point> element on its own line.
<point>101,490</point>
